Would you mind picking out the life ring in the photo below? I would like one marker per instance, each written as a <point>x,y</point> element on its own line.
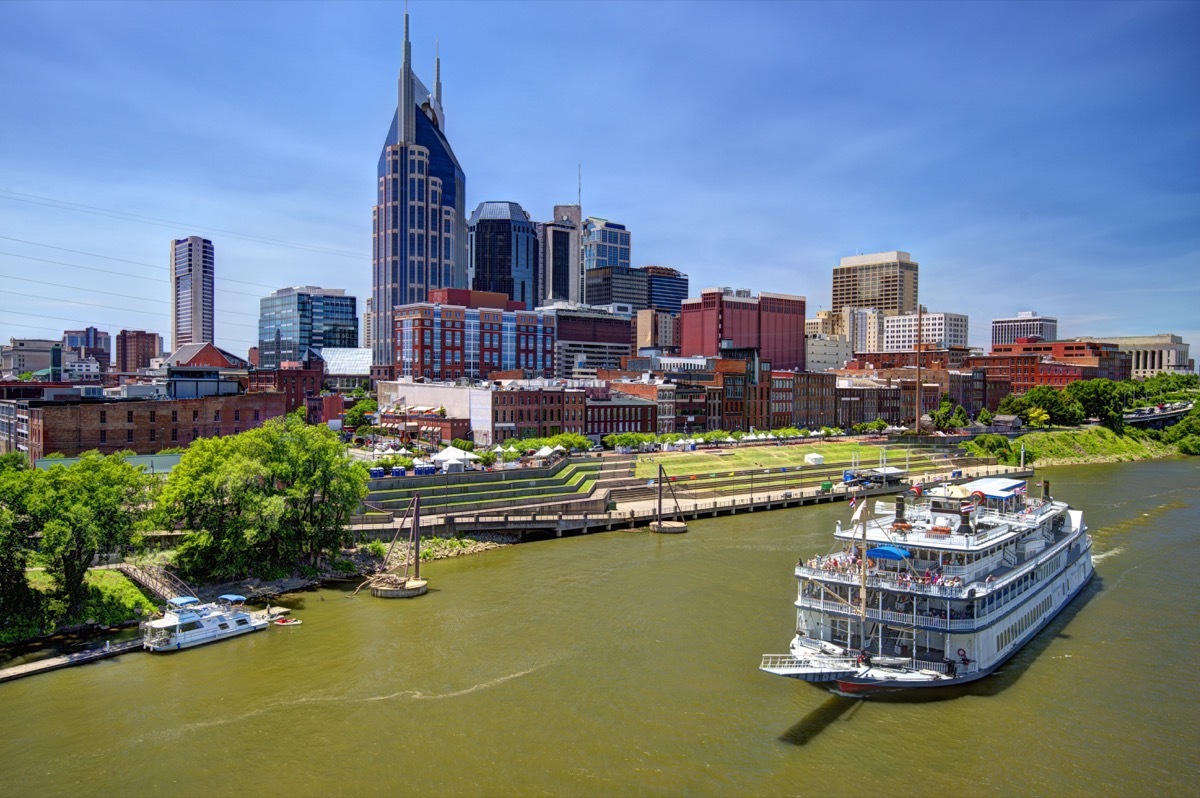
<point>979,498</point>
<point>962,652</point>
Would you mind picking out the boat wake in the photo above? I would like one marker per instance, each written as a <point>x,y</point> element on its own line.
<point>417,694</point>
<point>1099,558</point>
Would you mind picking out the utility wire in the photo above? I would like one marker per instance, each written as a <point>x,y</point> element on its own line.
<point>113,293</point>
<point>51,202</point>
<point>121,274</point>
<point>120,260</point>
<point>107,307</point>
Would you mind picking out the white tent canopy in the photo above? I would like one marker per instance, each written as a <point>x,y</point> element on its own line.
<point>453,453</point>
<point>545,451</point>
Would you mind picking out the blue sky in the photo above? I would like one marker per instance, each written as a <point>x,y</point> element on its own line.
<point>1030,156</point>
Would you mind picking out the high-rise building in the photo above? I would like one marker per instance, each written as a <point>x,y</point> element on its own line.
<point>603,244</point>
<point>561,278</point>
<point>938,330</point>
<point>89,343</point>
<point>366,325</point>
<point>135,350</point>
<point>863,328</point>
<point>884,280</point>
<point>502,252</point>
<point>617,285</point>
<point>666,288</point>
<point>420,230</point>
<point>656,329</point>
<point>1026,324</point>
<point>293,320</point>
<point>734,324</point>
<point>192,294</point>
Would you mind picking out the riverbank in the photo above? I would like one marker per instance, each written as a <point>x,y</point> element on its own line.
<point>1089,446</point>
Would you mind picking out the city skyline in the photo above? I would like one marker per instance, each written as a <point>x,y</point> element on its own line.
<point>1027,156</point>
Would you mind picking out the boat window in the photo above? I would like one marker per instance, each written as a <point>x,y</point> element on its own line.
<point>191,626</point>
<point>242,622</point>
<point>223,625</point>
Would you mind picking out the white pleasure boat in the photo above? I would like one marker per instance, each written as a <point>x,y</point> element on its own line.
<point>935,589</point>
<point>187,622</point>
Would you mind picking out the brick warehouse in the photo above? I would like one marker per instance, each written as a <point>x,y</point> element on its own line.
<point>142,426</point>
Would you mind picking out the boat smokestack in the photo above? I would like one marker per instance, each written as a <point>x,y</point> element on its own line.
<point>1046,489</point>
<point>899,506</point>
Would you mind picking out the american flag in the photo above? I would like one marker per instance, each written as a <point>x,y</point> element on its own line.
<point>1021,489</point>
<point>853,500</point>
<point>966,507</point>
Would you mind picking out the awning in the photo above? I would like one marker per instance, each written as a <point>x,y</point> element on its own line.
<point>887,553</point>
<point>183,601</point>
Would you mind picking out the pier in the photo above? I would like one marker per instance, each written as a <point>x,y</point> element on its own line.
<point>67,660</point>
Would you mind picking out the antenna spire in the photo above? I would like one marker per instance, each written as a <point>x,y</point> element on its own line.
<point>437,72</point>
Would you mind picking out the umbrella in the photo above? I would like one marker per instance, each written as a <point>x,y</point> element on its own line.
<point>498,449</point>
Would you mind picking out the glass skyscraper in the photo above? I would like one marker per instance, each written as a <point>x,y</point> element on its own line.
<point>605,245</point>
<point>292,320</point>
<point>503,252</point>
<point>420,232</point>
<point>192,271</point>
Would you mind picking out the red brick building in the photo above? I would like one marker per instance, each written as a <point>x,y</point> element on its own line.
<point>142,426</point>
<point>1109,362</point>
<point>618,413</point>
<point>135,350</point>
<point>724,323</point>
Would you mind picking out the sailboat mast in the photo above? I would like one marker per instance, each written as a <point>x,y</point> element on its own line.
<point>416,547</point>
<point>862,590</point>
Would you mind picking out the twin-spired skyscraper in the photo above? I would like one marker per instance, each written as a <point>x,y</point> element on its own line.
<point>420,232</point>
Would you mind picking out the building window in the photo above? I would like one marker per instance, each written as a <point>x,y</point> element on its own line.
<point>174,416</point>
<point>103,418</point>
<point>129,416</point>
<point>129,435</point>
<point>174,434</point>
<point>256,414</point>
<point>195,415</point>
<point>237,415</point>
<point>153,434</point>
<point>216,415</point>
<point>104,436</point>
<point>151,416</point>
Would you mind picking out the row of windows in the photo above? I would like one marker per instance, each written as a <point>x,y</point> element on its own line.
<point>1014,631</point>
<point>153,436</point>
<point>237,416</point>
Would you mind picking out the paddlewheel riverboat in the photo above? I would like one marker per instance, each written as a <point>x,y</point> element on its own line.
<point>936,589</point>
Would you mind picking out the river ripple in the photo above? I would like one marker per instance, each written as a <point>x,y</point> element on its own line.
<point>624,663</point>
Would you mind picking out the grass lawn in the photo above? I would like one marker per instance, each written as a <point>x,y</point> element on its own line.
<point>708,461</point>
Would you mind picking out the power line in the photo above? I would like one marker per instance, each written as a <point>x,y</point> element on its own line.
<point>89,323</point>
<point>113,293</point>
<point>120,260</point>
<point>51,202</point>
<point>106,307</point>
<point>120,274</point>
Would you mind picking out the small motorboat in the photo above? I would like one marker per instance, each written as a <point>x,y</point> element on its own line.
<point>288,621</point>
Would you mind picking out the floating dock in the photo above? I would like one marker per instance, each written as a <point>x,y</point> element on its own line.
<point>67,660</point>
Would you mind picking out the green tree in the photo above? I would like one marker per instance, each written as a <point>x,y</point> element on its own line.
<point>357,415</point>
<point>262,501</point>
<point>959,418</point>
<point>1099,399</point>
<point>90,507</point>
<point>985,417</point>
<point>1037,417</point>
<point>17,601</point>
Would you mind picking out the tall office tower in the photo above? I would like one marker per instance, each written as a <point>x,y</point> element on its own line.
<point>1026,324</point>
<point>502,252</point>
<point>938,330</point>
<point>192,268</point>
<point>366,325</point>
<point>420,228</point>
<point>885,280</point>
<point>666,288</point>
<point>561,277</point>
<point>293,320</point>
<point>90,342</point>
<point>135,350</point>
<point>603,244</point>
